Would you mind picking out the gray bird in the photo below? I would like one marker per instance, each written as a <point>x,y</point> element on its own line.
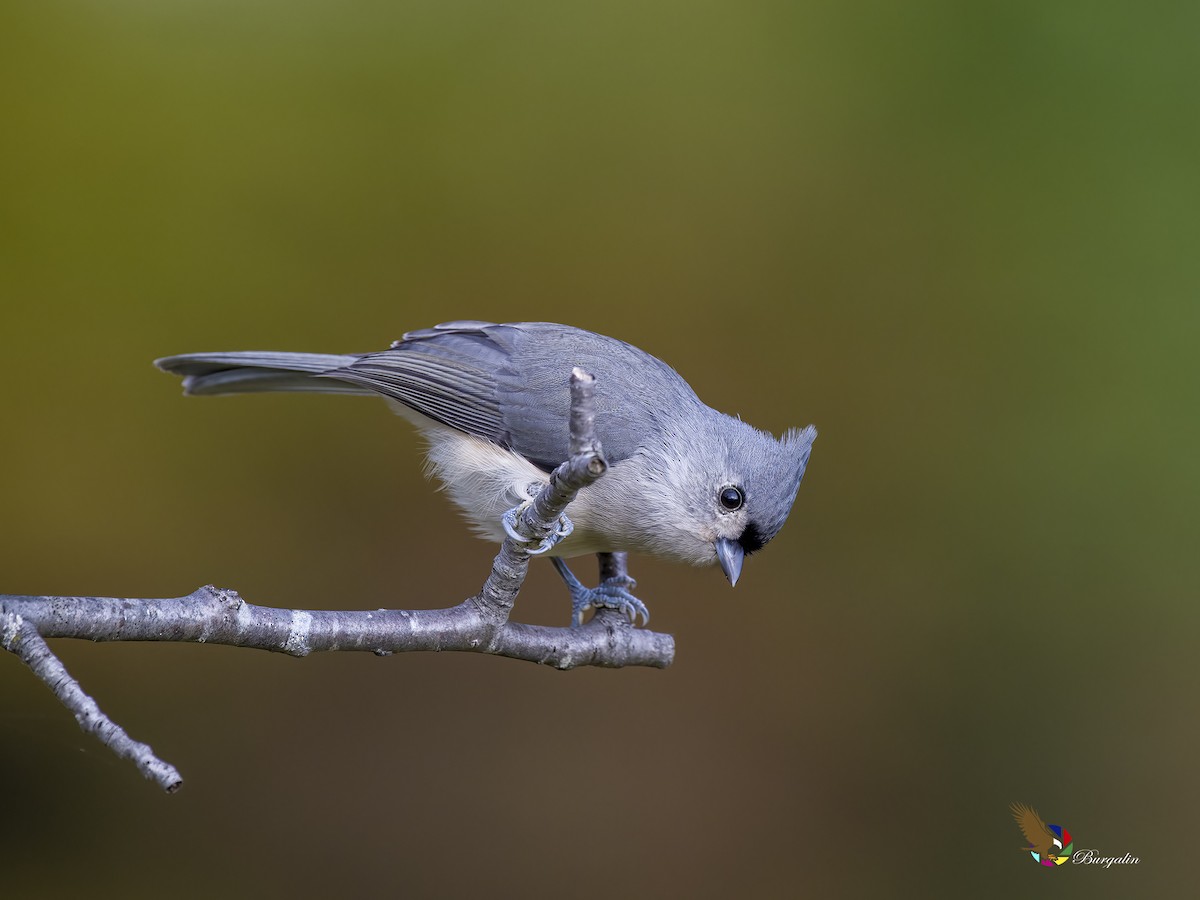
<point>685,482</point>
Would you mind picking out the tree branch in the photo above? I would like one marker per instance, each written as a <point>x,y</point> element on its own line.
<point>19,637</point>
<point>211,615</point>
<point>479,624</point>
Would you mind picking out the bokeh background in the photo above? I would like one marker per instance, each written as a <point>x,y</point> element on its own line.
<point>959,238</point>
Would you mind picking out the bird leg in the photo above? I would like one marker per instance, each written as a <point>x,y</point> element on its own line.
<point>613,592</point>
<point>615,565</point>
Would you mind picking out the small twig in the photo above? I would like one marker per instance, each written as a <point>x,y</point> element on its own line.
<point>23,640</point>
<point>584,465</point>
<point>479,625</point>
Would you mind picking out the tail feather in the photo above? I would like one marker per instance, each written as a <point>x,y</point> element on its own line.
<point>258,371</point>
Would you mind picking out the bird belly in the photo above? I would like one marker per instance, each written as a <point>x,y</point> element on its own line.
<point>485,480</point>
<point>482,479</point>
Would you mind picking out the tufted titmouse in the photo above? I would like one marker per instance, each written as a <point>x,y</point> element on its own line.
<point>685,482</point>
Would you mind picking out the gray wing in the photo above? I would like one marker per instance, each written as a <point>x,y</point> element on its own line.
<point>509,384</point>
<point>449,377</point>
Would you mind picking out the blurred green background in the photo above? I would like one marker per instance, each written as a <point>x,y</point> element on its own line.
<point>959,238</point>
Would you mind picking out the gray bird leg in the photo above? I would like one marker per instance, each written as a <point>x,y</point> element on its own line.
<point>615,565</point>
<point>613,592</point>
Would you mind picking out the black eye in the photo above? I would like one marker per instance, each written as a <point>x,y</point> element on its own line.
<point>731,498</point>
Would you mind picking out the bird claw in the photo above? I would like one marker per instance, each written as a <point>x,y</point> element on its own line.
<point>562,530</point>
<point>613,593</point>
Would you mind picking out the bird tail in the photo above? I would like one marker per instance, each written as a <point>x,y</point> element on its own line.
<point>256,371</point>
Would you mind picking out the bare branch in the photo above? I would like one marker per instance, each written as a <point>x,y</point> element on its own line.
<point>212,615</point>
<point>23,640</point>
<point>478,625</point>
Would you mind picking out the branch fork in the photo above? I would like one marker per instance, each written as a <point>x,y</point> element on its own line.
<point>480,624</point>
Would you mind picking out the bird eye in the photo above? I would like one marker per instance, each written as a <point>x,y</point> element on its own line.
<point>732,498</point>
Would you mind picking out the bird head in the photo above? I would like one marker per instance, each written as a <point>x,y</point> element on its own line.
<point>720,489</point>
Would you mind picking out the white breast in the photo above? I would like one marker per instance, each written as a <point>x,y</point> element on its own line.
<point>485,481</point>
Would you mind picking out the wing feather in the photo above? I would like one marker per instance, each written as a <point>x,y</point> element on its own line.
<point>1039,836</point>
<point>441,374</point>
<point>509,384</point>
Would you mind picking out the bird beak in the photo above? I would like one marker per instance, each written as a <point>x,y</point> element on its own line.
<point>730,555</point>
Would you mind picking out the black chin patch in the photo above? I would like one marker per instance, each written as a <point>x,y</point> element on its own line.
<point>752,539</point>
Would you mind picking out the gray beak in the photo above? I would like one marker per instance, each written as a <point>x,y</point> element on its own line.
<point>730,554</point>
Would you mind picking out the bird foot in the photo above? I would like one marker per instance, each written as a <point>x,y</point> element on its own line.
<point>562,530</point>
<point>612,593</point>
